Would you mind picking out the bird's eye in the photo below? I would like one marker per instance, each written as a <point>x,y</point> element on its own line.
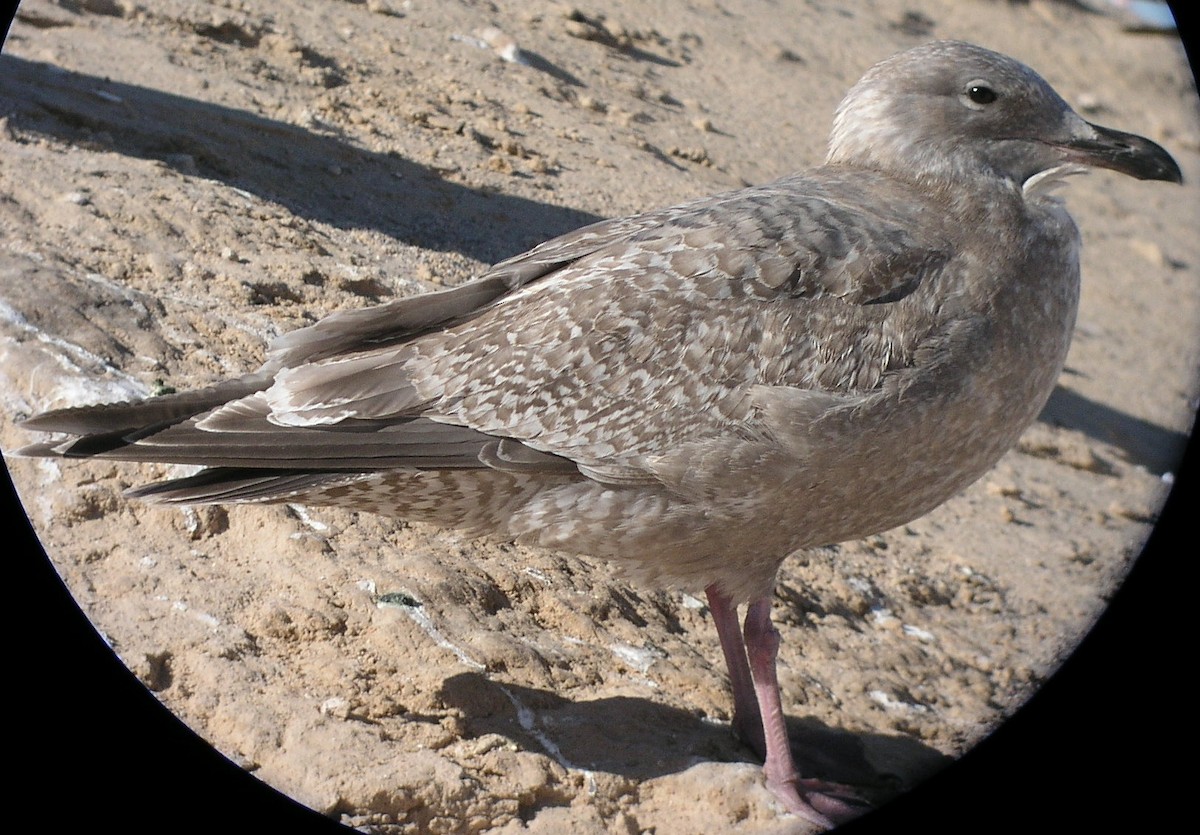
<point>981,94</point>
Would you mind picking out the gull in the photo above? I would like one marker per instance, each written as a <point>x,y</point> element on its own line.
<point>695,393</point>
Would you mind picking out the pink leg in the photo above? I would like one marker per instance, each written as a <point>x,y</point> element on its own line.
<point>747,721</point>
<point>802,797</point>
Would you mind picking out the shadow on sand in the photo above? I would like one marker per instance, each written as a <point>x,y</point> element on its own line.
<point>315,176</point>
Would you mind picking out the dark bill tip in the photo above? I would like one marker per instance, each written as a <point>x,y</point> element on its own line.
<point>1128,153</point>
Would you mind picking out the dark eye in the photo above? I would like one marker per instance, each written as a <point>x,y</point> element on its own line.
<point>980,94</point>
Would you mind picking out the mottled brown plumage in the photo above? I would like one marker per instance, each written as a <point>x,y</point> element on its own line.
<point>698,391</point>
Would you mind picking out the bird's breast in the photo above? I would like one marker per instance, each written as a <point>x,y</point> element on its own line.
<point>935,427</point>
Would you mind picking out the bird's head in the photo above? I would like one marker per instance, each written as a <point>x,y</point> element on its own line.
<point>954,111</point>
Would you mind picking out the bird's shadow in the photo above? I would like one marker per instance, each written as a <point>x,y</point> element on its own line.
<point>1143,443</point>
<point>641,739</point>
<point>315,175</point>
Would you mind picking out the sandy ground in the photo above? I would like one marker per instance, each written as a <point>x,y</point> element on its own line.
<point>181,181</point>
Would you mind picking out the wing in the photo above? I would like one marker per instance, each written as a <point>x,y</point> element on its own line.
<point>347,332</point>
<point>585,354</point>
<point>660,336</point>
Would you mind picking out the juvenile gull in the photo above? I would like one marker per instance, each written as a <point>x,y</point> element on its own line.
<point>698,391</point>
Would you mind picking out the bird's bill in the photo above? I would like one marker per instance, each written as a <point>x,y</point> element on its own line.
<point>1128,153</point>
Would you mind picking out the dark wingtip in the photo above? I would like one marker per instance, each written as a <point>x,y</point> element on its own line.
<point>43,450</point>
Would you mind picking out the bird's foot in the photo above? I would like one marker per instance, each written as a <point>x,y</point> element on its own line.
<point>818,801</point>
